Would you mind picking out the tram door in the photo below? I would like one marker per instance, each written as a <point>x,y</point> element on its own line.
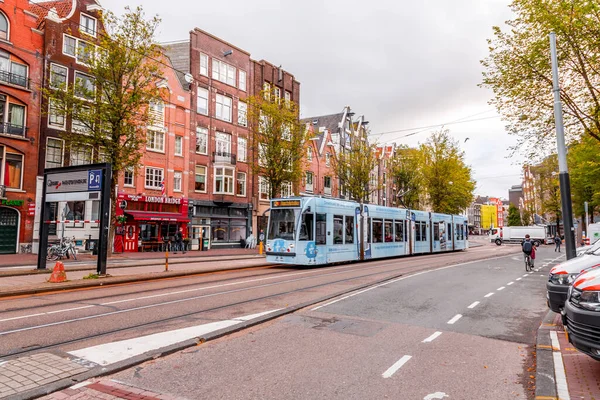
<point>9,228</point>
<point>131,238</point>
<point>321,237</point>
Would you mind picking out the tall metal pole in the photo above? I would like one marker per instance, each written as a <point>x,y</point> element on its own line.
<point>565,184</point>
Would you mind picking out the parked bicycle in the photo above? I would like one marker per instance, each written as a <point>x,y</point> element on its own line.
<point>62,250</point>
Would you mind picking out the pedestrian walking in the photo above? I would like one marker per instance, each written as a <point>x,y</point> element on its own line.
<point>179,241</point>
<point>558,242</point>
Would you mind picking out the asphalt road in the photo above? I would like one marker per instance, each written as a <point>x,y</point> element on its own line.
<point>428,336</point>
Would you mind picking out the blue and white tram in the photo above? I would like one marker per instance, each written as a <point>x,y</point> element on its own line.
<point>316,231</point>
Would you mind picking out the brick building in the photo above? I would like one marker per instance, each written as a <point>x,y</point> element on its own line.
<point>384,190</point>
<point>319,176</point>
<point>21,46</point>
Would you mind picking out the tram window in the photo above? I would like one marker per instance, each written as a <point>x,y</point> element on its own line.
<point>389,233</point>
<point>424,231</point>
<point>418,231</point>
<point>377,231</point>
<point>449,233</point>
<point>369,230</point>
<point>457,232</point>
<point>399,231</point>
<point>349,229</point>
<point>282,224</point>
<point>308,227</point>
<point>436,232</point>
<point>338,229</point>
<point>321,229</point>
<point>406,226</point>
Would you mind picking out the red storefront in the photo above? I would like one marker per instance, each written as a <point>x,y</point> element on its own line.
<point>147,222</point>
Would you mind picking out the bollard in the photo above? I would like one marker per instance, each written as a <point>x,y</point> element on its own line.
<point>260,248</point>
<point>166,259</point>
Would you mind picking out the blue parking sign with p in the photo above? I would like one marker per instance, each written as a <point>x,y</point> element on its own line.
<point>94,179</point>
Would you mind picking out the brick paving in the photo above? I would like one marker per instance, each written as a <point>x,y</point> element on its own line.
<point>25,373</point>
<point>107,389</point>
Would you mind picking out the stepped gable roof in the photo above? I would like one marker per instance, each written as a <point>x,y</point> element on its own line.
<point>330,122</point>
<point>41,9</point>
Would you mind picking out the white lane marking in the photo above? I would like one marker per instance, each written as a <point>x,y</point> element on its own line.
<point>554,338</point>
<point>562,387</point>
<point>525,276</point>
<point>519,278</point>
<point>397,365</point>
<point>474,304</point>
<point>501,288</point>
<point>454,319</point>
<point>436,396</point>
<point>432,337</point>
<point>509,283</point>
<point>110,353</point>
<point>401,279</point>
<point>171,293</point>
<point>489,294</point>
<point>80,385</point>
<point>542,275</point>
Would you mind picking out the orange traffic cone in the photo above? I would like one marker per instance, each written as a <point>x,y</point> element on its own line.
<point>58,274</point>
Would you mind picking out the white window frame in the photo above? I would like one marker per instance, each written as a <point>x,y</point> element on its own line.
<point>309,186</point>
<point>287,189</point>
<point>203,64</point>
<point>76,148</point>
<point>264,189</point>
<point>238,180</point>
<point>132,172</point>
<point>178,139</point>
<point>231,179</point>
<point>156,111</point>
<point>267,90</point>
<point>83,28</point>
<point>79,58</point>
<point>51,114</point>
<point>328,159</point>
<point>288,98</point>
<point>242,113</point>
<point>52,73</point>
<point>3,153</point>
<point>64,46</point>
<point>89,76</point>
<point>309,154</point>
<point>7,26</point>
<point>154,146</point>
<point>153,177</point>
<point>77,127</point>
<point>242,81</point>
<point>205,178</point>
<point>262,148</point>
<point>177,181</point>
<point>327,189</point>
<point>277,94</point>
<point>202,132</point>
<point>205,100</point>
<point>223,144</point>
<point>62,152</point>
<point>242,149</point>
<point>224,105</point>
<point>223,72</point>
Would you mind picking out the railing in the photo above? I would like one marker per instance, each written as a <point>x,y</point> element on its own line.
<point>223,157</point>
<point>10,129</point>
<point>14,79</point>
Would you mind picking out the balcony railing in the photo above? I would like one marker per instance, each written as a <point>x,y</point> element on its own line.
<point>10,129</point>
<point>224,158</point>
<point>14,79</point>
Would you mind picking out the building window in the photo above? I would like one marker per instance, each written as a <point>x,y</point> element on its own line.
<point>286,132</point>
<point>223,72</point>
<point>264,189</point>
<point>155,140</point>
<point>201,140</point>
<point>327,185</point>
<point>223,109</point>
<point>328,159</point>
<point>54,153</point>
<point>262,155</point>
<point>85,52</point>
<point>223,147</point>
<point>81,155</point>
<point>78,124</point>
<point>267,90</point>
<point>154,178</point>
<point>203,64</point>
<point>288,98</point>
<point>156,112</point>
<point>242,149</point>
<point>178,145</point>
<point>56,116</point>
<point>286,189</point>
<point>202,104</point>
<point>309,154</point>
<point>103,156</point>
<point>58,76</point>
<point>128,177</point>
<point>200,180</point>
<point>309,182</point>
<point>13,72</point>
<point>11,169</point>
<point>16,118</point>
<point>87,24</point>
<point>242,113</point>
<point>242,80</point>
<point>224,180</point>
<point>177,181</point>
<point>277,94</point>
<point>241,184</point>
<point>69,46</point>
<point>4,27</point>
<point>85,86</point>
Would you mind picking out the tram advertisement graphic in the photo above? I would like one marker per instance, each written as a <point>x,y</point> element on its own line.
<point>311,251</point>
<point>279,246</point>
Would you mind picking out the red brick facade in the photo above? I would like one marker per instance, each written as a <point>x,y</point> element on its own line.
<point>20,79</point>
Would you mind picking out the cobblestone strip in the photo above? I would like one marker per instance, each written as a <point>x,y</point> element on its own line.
<point>108,390</point>
<point>26,373</point>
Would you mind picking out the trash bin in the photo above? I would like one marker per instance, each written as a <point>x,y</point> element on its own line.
<point>204,244</point>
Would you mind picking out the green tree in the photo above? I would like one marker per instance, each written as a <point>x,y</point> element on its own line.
<point>584,169</point>
<point>405,173</point>
<point>526,217</point>
<point>446,177</point>
<point>518,70</point>
<point>277,140</point>
<point>354,167</point>
<point>548,188</point>
<point>111,107</point>
<point>514,216</point>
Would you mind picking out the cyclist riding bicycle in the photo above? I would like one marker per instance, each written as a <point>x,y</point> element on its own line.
<point>528,248</point>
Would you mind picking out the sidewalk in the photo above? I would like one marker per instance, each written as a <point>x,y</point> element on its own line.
<point>563,372</point>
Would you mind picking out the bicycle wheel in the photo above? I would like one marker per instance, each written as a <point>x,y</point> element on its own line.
<point>52,255</point>
<point>74,253</point>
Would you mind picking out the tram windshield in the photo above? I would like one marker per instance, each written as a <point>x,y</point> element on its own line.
<point>282,224</point>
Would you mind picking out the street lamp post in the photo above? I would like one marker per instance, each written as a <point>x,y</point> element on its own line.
<point>565,184</point>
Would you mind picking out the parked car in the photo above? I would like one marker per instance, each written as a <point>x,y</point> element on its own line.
<point>549,240</point>
<point>581,315</point>
<point>564,274</point>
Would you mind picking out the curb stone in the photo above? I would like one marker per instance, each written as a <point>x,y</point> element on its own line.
<point>545,380</point>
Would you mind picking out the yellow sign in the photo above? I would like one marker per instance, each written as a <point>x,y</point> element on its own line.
<point>287,203</point>
<point>489,216</point>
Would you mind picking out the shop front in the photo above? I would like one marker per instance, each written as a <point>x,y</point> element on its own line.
<point>16,222</point>
<point>147,223</point>
<point>219,225</point>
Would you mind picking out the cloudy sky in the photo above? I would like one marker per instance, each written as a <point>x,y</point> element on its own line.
<point>404,64</point>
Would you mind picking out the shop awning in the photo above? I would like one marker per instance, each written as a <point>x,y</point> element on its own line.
<point>157,216</point>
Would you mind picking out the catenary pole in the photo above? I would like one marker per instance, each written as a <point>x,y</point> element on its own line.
<point>565,184</point>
